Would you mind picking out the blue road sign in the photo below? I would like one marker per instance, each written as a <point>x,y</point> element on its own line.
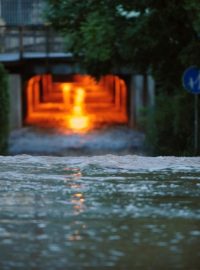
<point>191,80</point>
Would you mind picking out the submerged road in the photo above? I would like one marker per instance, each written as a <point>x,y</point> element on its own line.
<point>35,141</point>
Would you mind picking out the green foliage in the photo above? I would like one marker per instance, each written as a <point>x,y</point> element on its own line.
<point>4,111</point>
<point>92,31</point>
<point>170,125</point>
<point>141,34</point>
<point>161,36</point>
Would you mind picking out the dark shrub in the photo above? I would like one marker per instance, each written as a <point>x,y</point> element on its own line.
<point>4,111</point>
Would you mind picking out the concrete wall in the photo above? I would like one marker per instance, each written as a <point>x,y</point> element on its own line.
<point>15,101</point>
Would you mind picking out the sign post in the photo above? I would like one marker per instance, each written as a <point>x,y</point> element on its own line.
<point>191,82</point>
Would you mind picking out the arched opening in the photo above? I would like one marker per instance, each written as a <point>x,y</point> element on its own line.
<point>78,103</point>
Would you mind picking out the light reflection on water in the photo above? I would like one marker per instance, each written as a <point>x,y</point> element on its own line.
<point>58,214</point>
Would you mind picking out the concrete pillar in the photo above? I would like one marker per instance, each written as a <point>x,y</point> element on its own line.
<point>15,90</point>
<point>151,91</point>
<point>136,98</point>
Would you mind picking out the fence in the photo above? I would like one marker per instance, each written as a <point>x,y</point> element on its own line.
<point>22,12</point>
<point>29,39</point>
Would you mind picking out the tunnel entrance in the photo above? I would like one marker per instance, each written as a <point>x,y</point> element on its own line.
<point>77,102</point>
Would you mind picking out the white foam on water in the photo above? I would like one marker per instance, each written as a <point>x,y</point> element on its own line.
<point>126,162</point>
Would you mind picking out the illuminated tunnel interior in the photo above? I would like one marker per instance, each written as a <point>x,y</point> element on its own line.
<point>79,104</point>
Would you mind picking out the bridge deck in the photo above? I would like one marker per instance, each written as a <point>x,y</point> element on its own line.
<point>15,57</point>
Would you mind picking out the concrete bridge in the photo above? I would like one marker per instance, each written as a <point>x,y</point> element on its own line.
<point>28,51</point>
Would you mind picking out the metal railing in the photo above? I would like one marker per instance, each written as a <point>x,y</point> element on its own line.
<point>22,12</point>
<point>30,39</point>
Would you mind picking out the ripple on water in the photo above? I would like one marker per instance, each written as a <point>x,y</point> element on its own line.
<point>99,211</point>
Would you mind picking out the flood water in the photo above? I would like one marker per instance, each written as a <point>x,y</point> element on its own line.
<point>62,142</point>
<point>122,212</point>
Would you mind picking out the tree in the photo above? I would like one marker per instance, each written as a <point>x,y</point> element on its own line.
<point>136,33</point>
<point>161,37</point>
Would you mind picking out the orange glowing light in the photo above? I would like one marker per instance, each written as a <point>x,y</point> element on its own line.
<point>78,120</point>
<point>79,104</point>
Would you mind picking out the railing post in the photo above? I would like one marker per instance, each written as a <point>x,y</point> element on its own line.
<point>21,47</point>
<point>2,38</point>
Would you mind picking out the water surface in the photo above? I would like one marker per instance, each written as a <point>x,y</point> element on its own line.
<point>125,212</point>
